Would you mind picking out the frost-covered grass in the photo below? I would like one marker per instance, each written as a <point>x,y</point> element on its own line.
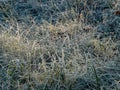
<point>59,45</point>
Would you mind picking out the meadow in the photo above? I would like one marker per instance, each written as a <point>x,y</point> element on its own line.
<point>59,45</point>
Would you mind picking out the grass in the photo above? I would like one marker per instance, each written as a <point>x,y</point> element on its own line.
<point>59,45</point>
